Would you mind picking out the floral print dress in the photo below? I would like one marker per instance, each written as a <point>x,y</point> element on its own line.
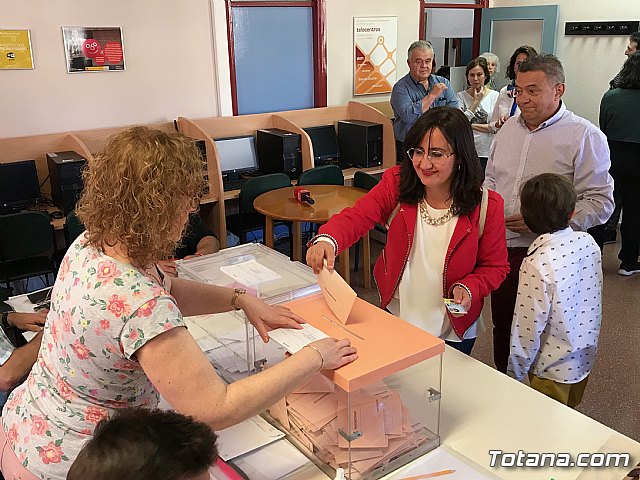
<point>102,311</point>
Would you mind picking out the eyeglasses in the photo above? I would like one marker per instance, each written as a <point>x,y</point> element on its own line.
<point>437,157</point>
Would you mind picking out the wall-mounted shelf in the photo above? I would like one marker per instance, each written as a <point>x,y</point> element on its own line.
<point>601,28</point>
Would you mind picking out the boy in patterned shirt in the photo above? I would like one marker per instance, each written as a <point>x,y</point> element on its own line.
<point>556,322</point>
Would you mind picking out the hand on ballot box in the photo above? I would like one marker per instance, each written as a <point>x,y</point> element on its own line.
<point>264,317</point>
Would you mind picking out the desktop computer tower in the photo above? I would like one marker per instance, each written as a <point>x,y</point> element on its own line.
<point>65,174</point>
<point>360,143</point>
<point>279,151</point>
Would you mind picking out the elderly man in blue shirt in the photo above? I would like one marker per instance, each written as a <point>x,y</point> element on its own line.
<point>417,92</point>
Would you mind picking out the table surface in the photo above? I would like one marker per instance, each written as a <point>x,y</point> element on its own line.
<point>329,200</point>
<point>482,410</point>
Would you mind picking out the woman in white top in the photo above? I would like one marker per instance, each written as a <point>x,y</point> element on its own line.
<point>477,103</point>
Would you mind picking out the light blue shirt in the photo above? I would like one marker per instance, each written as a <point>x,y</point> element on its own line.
<point>406,101</point>
<point>6,349</point>
<point>565,144</point>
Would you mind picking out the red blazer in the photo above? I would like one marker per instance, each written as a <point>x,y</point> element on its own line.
<point>481,265</point>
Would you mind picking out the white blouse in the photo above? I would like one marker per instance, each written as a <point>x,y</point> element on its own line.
<point>418,299</point>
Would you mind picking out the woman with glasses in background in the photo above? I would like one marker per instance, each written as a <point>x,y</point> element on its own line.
<point>431,204</point>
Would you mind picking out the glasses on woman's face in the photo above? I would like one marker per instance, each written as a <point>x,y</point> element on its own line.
<point>437,157</point>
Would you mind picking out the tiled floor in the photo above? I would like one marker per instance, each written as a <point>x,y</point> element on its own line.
<point>612,396</point>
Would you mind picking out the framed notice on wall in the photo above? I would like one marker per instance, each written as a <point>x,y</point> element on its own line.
<point>15,50</point>
<point>93,49</point>
<point>375,43</point>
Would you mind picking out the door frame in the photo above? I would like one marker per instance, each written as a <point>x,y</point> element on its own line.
<point>477,7</point>
<point>547,13</point>
<point>319,40</point>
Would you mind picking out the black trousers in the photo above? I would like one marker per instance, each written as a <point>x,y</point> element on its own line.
<point>625,170</point>
<point>503,304</point>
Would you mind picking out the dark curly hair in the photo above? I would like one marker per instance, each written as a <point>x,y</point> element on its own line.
<point>526,49</point>
<point>467,171</point>
<point>630,73</point>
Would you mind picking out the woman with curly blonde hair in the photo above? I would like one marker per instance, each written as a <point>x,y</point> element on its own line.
<point>114,336</point>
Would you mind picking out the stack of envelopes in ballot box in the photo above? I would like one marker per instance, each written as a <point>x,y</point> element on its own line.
<point>228,340</point>
<point>376,414</point>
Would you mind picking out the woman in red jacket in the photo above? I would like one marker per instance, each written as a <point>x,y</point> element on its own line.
<point>431,205</point>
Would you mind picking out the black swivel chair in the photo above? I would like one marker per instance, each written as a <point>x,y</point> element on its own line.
<point>248,219</point>
<point>365,181</point>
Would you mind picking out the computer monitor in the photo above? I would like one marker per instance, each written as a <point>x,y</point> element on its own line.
<point>19,187</point>
<point>325,144</point>
<point>237,154</point>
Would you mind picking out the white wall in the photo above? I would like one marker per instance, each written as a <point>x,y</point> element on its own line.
<point>168,54</point>
<point>589,61</point>
<point>340,56</point>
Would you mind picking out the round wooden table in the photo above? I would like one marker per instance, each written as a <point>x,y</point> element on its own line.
<point>329,199</point>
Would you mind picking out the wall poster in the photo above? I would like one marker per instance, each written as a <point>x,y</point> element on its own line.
<point>375,43</point>
<point>15,50</point>
<point>93,49</point>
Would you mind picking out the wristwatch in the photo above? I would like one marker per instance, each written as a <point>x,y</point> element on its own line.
<point>236,293</point>
<point>5,320</point>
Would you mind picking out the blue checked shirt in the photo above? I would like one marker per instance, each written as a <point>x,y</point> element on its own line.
<point>406,101</point>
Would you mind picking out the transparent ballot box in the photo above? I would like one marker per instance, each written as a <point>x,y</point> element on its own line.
<point>228,339</point>
<point>376,414</point>
<point>260,270</point>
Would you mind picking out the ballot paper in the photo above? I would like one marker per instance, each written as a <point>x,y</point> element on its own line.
<point>387,431</point>
<point>246,436</point>
<point>337,293</point>
<point>295,339</point>
<point>276,460</point>
<point>250,273</point>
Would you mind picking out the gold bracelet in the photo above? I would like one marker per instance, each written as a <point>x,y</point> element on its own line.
<point>236,293</point>
<point>321,357</point>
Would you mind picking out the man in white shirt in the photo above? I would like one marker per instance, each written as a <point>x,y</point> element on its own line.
<point>544,138</point>
<point>558,311</point>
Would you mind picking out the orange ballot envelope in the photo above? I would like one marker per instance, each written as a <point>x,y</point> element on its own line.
<point>385,343</point>
<point>337,293</point>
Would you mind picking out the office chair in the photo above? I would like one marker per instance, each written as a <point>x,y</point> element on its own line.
<point>322,175</point>
<point>365,181</point>
<point>25,238</point>
<point>73,227</point>
<point>248,219</point>
<point>72,230</point>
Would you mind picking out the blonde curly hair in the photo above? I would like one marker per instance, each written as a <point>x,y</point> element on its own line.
<point>135,190</point>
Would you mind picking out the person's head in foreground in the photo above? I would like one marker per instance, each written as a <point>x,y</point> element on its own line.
<point>547,202</point>
<point>141,444</point>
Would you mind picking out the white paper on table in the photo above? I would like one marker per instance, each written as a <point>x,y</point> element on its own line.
<point>246,436</point>
<point>21,303</point>
<point>295,339</point>
<point>237,335</point>
<point>250,273</point>
<point>445,458</point>
<point>272,461</point>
